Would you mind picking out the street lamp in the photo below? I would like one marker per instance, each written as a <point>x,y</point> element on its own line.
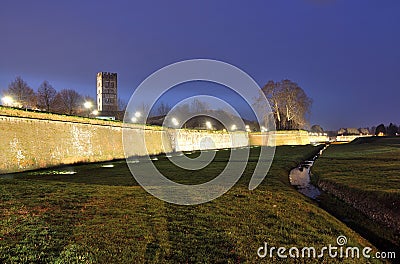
<point>175,121</point>
<point>88,105</point>
<point>7,101</point>
<point>233,127</point>
<point>136,117</point>
<point>208,125</point>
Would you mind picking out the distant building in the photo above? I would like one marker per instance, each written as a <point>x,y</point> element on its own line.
<point>107,100</point>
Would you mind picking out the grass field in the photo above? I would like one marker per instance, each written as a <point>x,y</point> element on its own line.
<point>100,215</point>
<point>366,175</point>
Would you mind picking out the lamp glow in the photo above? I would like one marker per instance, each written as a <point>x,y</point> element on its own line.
<point>88,105</point>
<point>175,121</point>
<point>7,100</point>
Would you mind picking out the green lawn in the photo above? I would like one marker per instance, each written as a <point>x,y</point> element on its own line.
<point>100,215</point>
<point>376,159</point>
<point>366,175</point>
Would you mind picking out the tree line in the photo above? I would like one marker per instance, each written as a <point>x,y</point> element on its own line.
<point>390,130</point>
<point>380,130</point>
<point>289,103</point>
<point>46,98</point>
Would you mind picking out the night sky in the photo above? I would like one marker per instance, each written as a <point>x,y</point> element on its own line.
<point>344,54</point>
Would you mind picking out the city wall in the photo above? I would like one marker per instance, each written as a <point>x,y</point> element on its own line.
<point>349,138</point>
<point>30,140</point>
<point>279,138</point>
<point>33,140</point>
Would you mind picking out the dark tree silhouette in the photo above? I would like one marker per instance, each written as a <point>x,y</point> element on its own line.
<point>22,94</point>
<point>380,129</point>
<point>317,129</point>
<point>163,109</point>
<point>68,101</point>
<point>364,131</point>
<point>392,130</point>
<point>46,96</point>
<point>342,131</point>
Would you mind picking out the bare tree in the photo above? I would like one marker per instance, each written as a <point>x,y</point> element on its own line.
<point>183,109</point>
<point>274,98</point>
<point>352,131</point>
<point>297,106</point>
<point>144,108</point>
<point>341,131</point>
<point>289,103</point>
<point>68,101</point>
<point>163,109</point>
<point>198,107</point>
<point>317,129</point>
<point>21,93</point>
<point>46,96</point>
<point>364,130</point>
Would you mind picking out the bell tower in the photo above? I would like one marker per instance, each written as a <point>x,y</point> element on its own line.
<point>107,101</point>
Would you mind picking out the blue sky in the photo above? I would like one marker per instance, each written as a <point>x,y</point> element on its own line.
<point>344,54</point>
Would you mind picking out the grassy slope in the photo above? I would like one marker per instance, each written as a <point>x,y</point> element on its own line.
<point>100,215</point>
<point>368,168</point>
<point>377,160</point>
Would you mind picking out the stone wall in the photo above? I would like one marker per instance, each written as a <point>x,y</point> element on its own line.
<point>279,138</point>
<point>188,140</point>
<point>349,138</point>
<point>319,139</point>
<point>30,140</point>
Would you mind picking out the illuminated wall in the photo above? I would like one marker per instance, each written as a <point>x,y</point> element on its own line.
<point>38,140</point>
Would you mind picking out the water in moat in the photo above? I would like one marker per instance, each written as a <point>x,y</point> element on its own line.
<point>300,178</point>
